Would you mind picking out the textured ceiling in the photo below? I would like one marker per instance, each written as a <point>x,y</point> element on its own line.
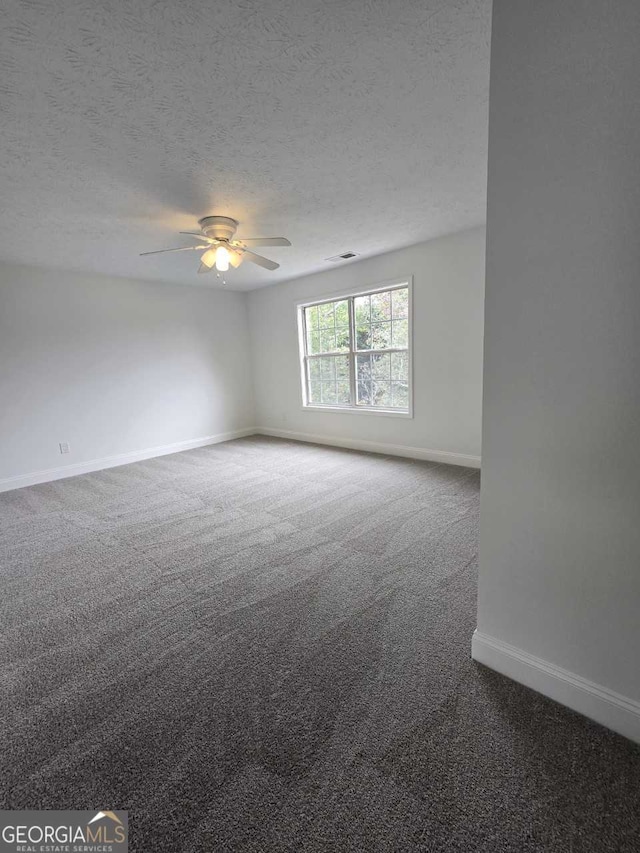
<point>341,124</point>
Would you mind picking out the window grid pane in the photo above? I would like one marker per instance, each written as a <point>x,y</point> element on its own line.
<point>381,379</point>
<point>400,334</point>
<point>381,366</point>
<point>381,306</point>
<point>400,303</point>
<point>327,327</point>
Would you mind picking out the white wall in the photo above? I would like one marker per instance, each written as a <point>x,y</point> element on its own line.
<point>448,275</point>
<point>560,505</point>
<point>115,366</point>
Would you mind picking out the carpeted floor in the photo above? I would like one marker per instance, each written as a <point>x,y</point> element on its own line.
<point>264,646</point>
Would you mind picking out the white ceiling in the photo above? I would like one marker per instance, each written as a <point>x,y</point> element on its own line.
<point>341,124</point>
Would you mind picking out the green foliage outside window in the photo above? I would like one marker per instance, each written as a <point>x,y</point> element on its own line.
<point>380,378</point>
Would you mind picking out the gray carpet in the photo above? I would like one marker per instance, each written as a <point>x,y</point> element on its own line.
<point>264,646</point>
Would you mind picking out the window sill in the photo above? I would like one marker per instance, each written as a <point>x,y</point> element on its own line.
<point>349,410</point>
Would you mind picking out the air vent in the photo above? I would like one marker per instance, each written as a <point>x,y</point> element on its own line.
<point>345,256</point>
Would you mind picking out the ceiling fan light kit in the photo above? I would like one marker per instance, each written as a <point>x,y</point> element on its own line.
<point>221,250</point>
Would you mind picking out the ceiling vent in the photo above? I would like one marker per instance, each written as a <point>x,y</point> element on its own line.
<point>345,256</point>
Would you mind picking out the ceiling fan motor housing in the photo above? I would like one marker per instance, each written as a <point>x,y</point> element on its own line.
<point>218,227</point>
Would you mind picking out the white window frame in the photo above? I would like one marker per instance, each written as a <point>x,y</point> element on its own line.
<point>406,281</point>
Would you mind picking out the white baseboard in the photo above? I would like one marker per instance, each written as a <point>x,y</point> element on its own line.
<point>377,447</point>
<point>606,707</point>
<point>50,474</point>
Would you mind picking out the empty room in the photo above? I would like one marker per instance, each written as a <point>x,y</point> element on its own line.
<point>319,417</point>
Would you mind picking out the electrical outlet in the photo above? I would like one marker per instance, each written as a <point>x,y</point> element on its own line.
<point>64,447</point>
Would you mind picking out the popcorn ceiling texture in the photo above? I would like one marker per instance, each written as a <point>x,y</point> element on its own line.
<point>342,125</point>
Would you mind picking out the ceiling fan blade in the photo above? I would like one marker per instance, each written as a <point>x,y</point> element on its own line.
<point>264,241</point>
<point>199,236</point>
<point>259,260</point>
<point>179,249</point>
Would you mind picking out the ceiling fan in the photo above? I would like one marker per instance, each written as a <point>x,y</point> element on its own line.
<point>221,250</point>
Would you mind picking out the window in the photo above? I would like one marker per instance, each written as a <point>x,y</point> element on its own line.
<point>355,351</point>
